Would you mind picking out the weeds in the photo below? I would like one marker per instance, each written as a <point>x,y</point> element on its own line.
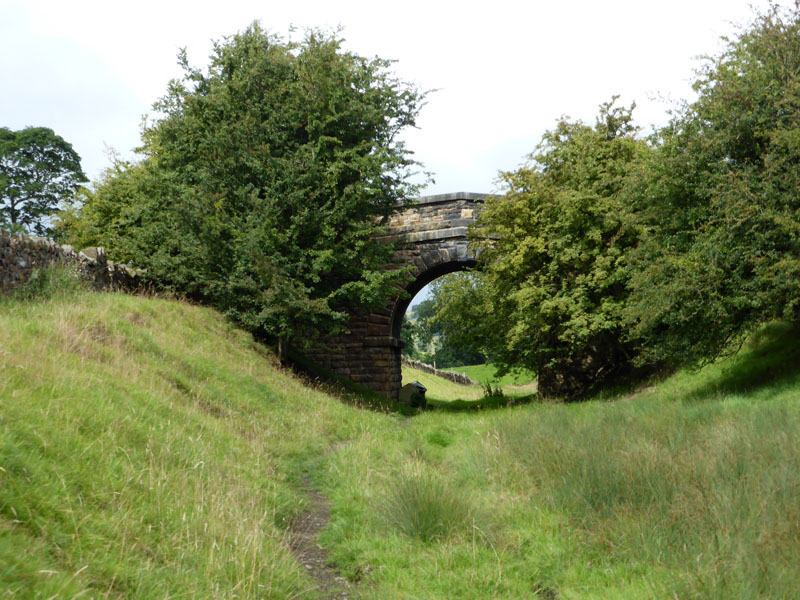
<point>50,282</point>
<point>491,392</point>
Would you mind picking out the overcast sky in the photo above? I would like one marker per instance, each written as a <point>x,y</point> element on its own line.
<point>504,71</point>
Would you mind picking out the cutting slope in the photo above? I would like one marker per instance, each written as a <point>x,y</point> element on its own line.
<point>149,449</point>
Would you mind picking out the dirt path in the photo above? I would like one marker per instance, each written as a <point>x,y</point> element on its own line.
<point>303,544</point>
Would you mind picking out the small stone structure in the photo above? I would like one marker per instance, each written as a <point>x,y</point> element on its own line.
<point>432,235</point>
<point>20,255</point>
<point>413,394</point>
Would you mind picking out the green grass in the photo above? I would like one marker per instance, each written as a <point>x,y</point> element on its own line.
<point>488,374</point>
<point>148,449</point>
<point>443,393</point>
<point>439,388</point>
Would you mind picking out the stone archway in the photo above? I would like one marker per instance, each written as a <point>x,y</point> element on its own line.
<point>433,240</point>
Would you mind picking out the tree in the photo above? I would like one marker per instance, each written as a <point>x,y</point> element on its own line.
<point>723,200</point>
<point>38,169</point>
<point>424,335</point>
<point>555,249</point>
<point>264,181</point>
<point>408,335</point>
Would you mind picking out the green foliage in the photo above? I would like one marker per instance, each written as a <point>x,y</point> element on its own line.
<point>419,504</point>
<point>609,255</point>
<point>491,391</point>
<point>427,329</point>
<point>438,337</point>
<point>409,333</point>
<point>722,200</point>
<point>264,180</point>
<point>555,248</point>
<point>456,316</point>
<point>38,169</point>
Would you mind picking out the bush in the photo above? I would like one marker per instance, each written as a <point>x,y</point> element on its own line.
<point>556,249</point>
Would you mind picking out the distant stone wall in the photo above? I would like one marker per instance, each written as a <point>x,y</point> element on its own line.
<point>453,376</point>
<point>20,255</point>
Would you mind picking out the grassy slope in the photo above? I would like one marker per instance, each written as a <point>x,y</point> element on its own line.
<point>148,449</point>
<point>688,489</point>
<point>487,373</point>
<point>440,390</point>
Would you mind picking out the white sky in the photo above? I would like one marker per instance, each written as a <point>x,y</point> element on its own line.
<point>504,70</point>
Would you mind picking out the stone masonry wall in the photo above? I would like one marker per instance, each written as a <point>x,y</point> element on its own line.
<point>21,254</point>
<point>432,237</point>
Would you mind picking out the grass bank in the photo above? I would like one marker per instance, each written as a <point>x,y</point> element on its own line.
<point>148,449</point>
<point>487,373</point>
<point>443,393</point>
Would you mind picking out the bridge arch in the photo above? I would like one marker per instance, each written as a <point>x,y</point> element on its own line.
<point>400,305</point>
<point>432,239</point>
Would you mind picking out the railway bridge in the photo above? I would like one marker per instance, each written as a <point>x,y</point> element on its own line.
<point>432,238</point>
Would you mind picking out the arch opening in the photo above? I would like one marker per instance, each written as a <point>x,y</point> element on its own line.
<point>423,279</point>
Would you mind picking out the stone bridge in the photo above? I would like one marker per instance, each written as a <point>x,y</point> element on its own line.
<point>432,238</point>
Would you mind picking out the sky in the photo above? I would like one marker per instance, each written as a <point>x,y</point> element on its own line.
<point>503,71</point>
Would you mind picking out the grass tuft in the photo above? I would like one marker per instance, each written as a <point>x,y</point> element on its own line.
<point>421,505</point>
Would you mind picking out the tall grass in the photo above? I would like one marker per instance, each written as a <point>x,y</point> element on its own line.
<point>48,282</point>
<point>420,504</point>
<point>709,491</point>
<point>148,450</point>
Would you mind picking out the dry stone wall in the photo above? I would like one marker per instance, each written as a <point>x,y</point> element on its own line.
<point>20,255</point>
<point>453,376</point>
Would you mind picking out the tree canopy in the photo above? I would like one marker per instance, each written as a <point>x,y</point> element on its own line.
<point>263,181</point>
<point>608,252</point>
<point>722,201</point>
<point>554,249</point>
<point>425,336</point>
<point>38,169</point>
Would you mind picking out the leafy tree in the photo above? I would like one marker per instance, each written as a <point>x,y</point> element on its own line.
<point>458,316</point>
<point>723,200</point>
<point>38,169</point>
<point>425,319</point>
<point>555,248</point>
<point>433,341</point>
<point>408,335</point>
<point>264,181</point>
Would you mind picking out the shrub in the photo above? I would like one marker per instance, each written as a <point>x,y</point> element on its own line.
<point>419,504</point>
